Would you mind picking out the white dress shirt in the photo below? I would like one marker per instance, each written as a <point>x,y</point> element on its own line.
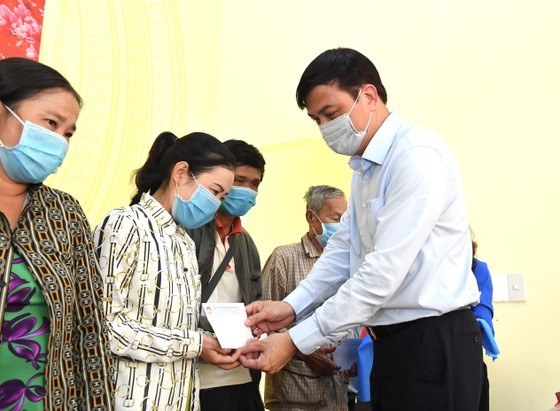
<point>403,250</point>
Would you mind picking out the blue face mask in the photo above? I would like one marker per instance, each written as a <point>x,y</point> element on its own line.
<point>196,212</point>
<point>38,154</point>
<point>238,201</point>
<point>328,230</point>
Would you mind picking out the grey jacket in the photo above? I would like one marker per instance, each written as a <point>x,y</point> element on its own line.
<point>246,257</point>
<point>247,268</point>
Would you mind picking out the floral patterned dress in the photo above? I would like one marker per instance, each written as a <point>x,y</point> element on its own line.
<point>24,346</point>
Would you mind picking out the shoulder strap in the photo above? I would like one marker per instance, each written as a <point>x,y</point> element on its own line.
<point>209,286</point>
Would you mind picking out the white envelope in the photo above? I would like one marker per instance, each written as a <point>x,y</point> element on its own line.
<point>346,352</point>
<point>227,321</point>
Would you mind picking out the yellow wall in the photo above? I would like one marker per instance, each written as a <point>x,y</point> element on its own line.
<point>481,74</point>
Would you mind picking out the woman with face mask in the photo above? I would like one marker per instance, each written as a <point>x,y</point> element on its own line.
<point>53,349</point>
<point>150,273</point>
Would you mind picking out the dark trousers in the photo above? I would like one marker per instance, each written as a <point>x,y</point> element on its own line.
<point>485,395</point>
<point>242,397</point>
<point>355,405</point>
<point>433,364</point>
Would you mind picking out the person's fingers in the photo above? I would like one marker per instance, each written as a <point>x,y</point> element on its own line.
<point>222,359</point>
<point>230,366</point>
<point>235,355</point>
<point>249,362</point>
<point>334,365</point>
<point>258,313</point>
<point>252,340</point>
<point>254,307</point>
<point>256,331</point>
<point>252,347</point>
<point>328,349</point>
<point>258,363</point>
<point>221,351</point>
<point>255,318</point>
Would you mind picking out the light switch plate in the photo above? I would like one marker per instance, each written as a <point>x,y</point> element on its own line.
<point>516,287</point>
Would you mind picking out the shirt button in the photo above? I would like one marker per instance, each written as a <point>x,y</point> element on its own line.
<point>364,205</point>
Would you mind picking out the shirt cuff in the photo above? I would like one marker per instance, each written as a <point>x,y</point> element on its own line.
<point>299,300</point>
<point>307,336</point>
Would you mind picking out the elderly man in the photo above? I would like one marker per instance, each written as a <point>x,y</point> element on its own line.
<point>307,382</point>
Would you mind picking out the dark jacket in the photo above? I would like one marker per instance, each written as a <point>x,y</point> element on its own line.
<point>247,268</point>
<point>246,258</point>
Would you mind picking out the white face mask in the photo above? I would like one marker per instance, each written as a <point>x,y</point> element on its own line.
<point>340,134</point>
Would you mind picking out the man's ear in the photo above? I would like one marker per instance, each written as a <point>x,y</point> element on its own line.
<point>180,173</point>
<point>309,216</point>
<point>369,91</point>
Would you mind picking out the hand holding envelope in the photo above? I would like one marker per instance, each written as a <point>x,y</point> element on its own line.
<point>346,354</point>
<point>213,353</point>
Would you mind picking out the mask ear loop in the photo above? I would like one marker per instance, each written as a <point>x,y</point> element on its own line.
<point>315,231</point>
<point>352,108</point>
<point>355,101</point>
<point>195,180</point>
<point>316,216</point>
<point>368,122</point>
<point>177,184</point>
<point>14,114</point>
<point>313,211</point>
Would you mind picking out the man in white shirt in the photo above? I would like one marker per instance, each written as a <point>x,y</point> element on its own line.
<point>400,262</point>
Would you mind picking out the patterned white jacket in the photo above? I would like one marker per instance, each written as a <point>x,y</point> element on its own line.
<point>151,298</point>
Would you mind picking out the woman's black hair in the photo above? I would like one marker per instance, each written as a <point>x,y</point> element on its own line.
<point>200,150</point>
<point>22,79</point>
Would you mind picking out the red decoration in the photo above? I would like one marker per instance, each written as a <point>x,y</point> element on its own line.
<point>21,22</point>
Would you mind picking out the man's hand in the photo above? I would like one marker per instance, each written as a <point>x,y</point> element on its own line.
<point>320,361</point>
<point>213,353</point>
<point>351,372</point>
<point>267,316</point>
<point>270,354</point>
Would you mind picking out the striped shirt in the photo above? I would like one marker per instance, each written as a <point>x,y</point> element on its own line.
<point>54,238</point>
<point>297,387</point>
<point>152,294</point>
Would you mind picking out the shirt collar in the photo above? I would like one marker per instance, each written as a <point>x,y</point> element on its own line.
<point>160,214</point>
<point>378,148</point>
<point>308,247</point>
<point>235,229</point>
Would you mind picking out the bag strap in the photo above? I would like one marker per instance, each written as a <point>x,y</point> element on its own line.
<point>209,286</point>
